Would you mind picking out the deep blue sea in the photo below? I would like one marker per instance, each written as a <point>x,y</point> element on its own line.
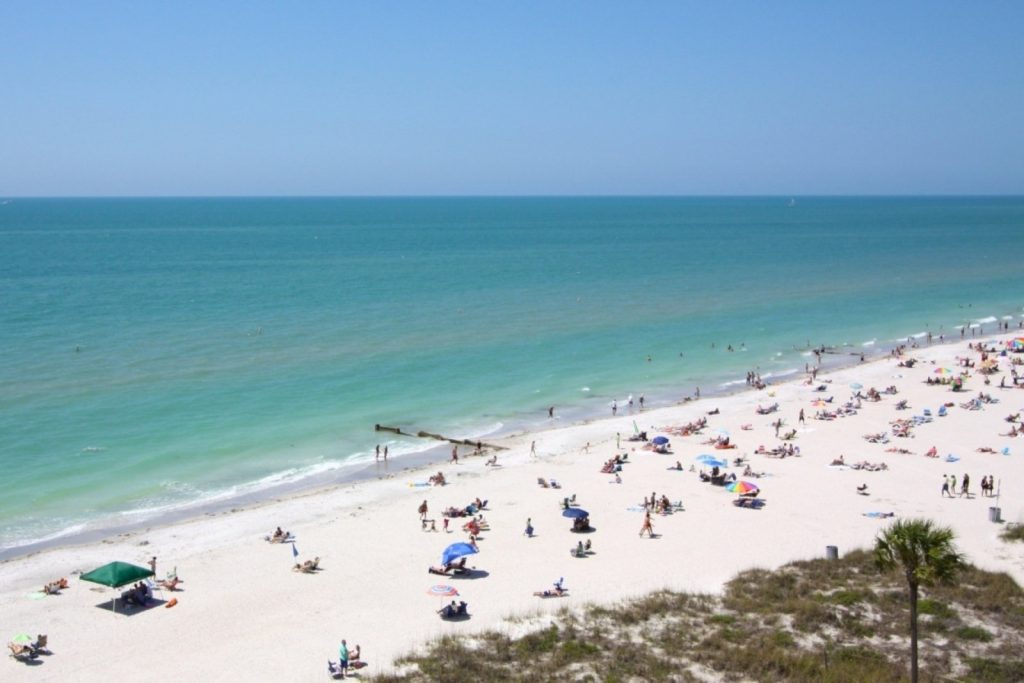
<point>162,354</point>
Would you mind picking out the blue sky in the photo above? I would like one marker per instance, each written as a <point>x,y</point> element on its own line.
<point>424,98</point>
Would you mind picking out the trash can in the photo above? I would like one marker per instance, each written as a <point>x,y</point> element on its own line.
<point>831,552</point>
<point>993,514</point>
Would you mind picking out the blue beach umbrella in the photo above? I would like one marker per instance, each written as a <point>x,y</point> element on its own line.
<point>856,386</point>
<point>455,551</point>
<point>659,440</point>
<point>575,513</point>
<point>711,461</point>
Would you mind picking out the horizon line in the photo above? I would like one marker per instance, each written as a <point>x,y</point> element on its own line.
<point>521,196</point>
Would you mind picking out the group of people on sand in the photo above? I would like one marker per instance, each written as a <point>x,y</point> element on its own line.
<point>280,536</point>
<point>862,465</point>
<point>346,659</point>
<point>437,479</point>
<point>613,465</point>
<point>55,587</point>
<point>139,594</point>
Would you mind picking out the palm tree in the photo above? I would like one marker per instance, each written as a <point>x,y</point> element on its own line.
<point>926,554</point>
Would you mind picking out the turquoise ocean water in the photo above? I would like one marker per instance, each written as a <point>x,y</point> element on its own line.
<point>162,355</point>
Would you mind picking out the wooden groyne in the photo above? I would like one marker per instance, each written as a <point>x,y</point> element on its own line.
<point>438,437</point>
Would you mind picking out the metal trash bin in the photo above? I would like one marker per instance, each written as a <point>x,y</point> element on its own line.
<point>994,514</point>
<point>831,552</point>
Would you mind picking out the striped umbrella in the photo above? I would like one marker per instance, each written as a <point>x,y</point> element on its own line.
<point>442,591</point>
<point>742,487</point>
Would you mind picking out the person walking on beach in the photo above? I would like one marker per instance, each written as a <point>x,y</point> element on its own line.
<point>615,407</point>
<point>952,485</point>
<point>385,454</point>
<point>533,448</point>
<point>529,528</point>
<point>551,411</point>
<point>965,486</point>
<point>377,456</point>
<point>618,440</point>
<point>801,418</point>
<point>423,511</point>
<point>455,455</point>
<point>152,566</point>
<point>642,400</point>
<point>445,524</point>
<point>945,487</point>
<point>648,526</point>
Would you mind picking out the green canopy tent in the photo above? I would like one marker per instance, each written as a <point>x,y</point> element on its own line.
<point>117,574</point>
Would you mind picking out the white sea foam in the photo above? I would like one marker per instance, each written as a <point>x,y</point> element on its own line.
<point>989,319</point>
<point>869,343</point>
<point>67,531</point>
<point>475,431</point>
<point>781,373</point>
<point>94,449</point>
<point>585,389</point>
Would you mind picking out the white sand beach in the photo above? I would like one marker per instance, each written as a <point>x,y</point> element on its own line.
<point>243,613</point>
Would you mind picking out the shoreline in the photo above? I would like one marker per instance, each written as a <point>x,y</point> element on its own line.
<point>375,555</point>
<point>835,359</point>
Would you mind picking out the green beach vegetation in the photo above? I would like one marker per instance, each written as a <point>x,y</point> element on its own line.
<point>817,620</point>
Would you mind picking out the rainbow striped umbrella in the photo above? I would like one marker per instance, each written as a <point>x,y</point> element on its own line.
<point>442,590</point>
<point>943,371</point>
<point>742,487</point>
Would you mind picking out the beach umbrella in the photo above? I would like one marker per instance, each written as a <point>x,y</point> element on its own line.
<point>575,513</point>
<point>722,432</point>
<point>455,551</point>
<point>742,487</point>
<point>943,371</point>
<point>819,403</point>
<point>117,574</point>
<point>856,386</point>
<point>710,460</point>
<point>22,639</point>
<point>442,591</point>
<point>659,440</point>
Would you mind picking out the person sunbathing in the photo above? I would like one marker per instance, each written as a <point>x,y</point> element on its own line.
<point>170,584</point>
<point>555,592</point>
<point>839,461</point>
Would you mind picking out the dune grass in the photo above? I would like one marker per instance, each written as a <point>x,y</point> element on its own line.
<point>818,620</point>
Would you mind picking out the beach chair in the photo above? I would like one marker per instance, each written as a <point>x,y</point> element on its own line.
<point>927,412</point>
<point>22,653</point>
<point>942,411</point>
